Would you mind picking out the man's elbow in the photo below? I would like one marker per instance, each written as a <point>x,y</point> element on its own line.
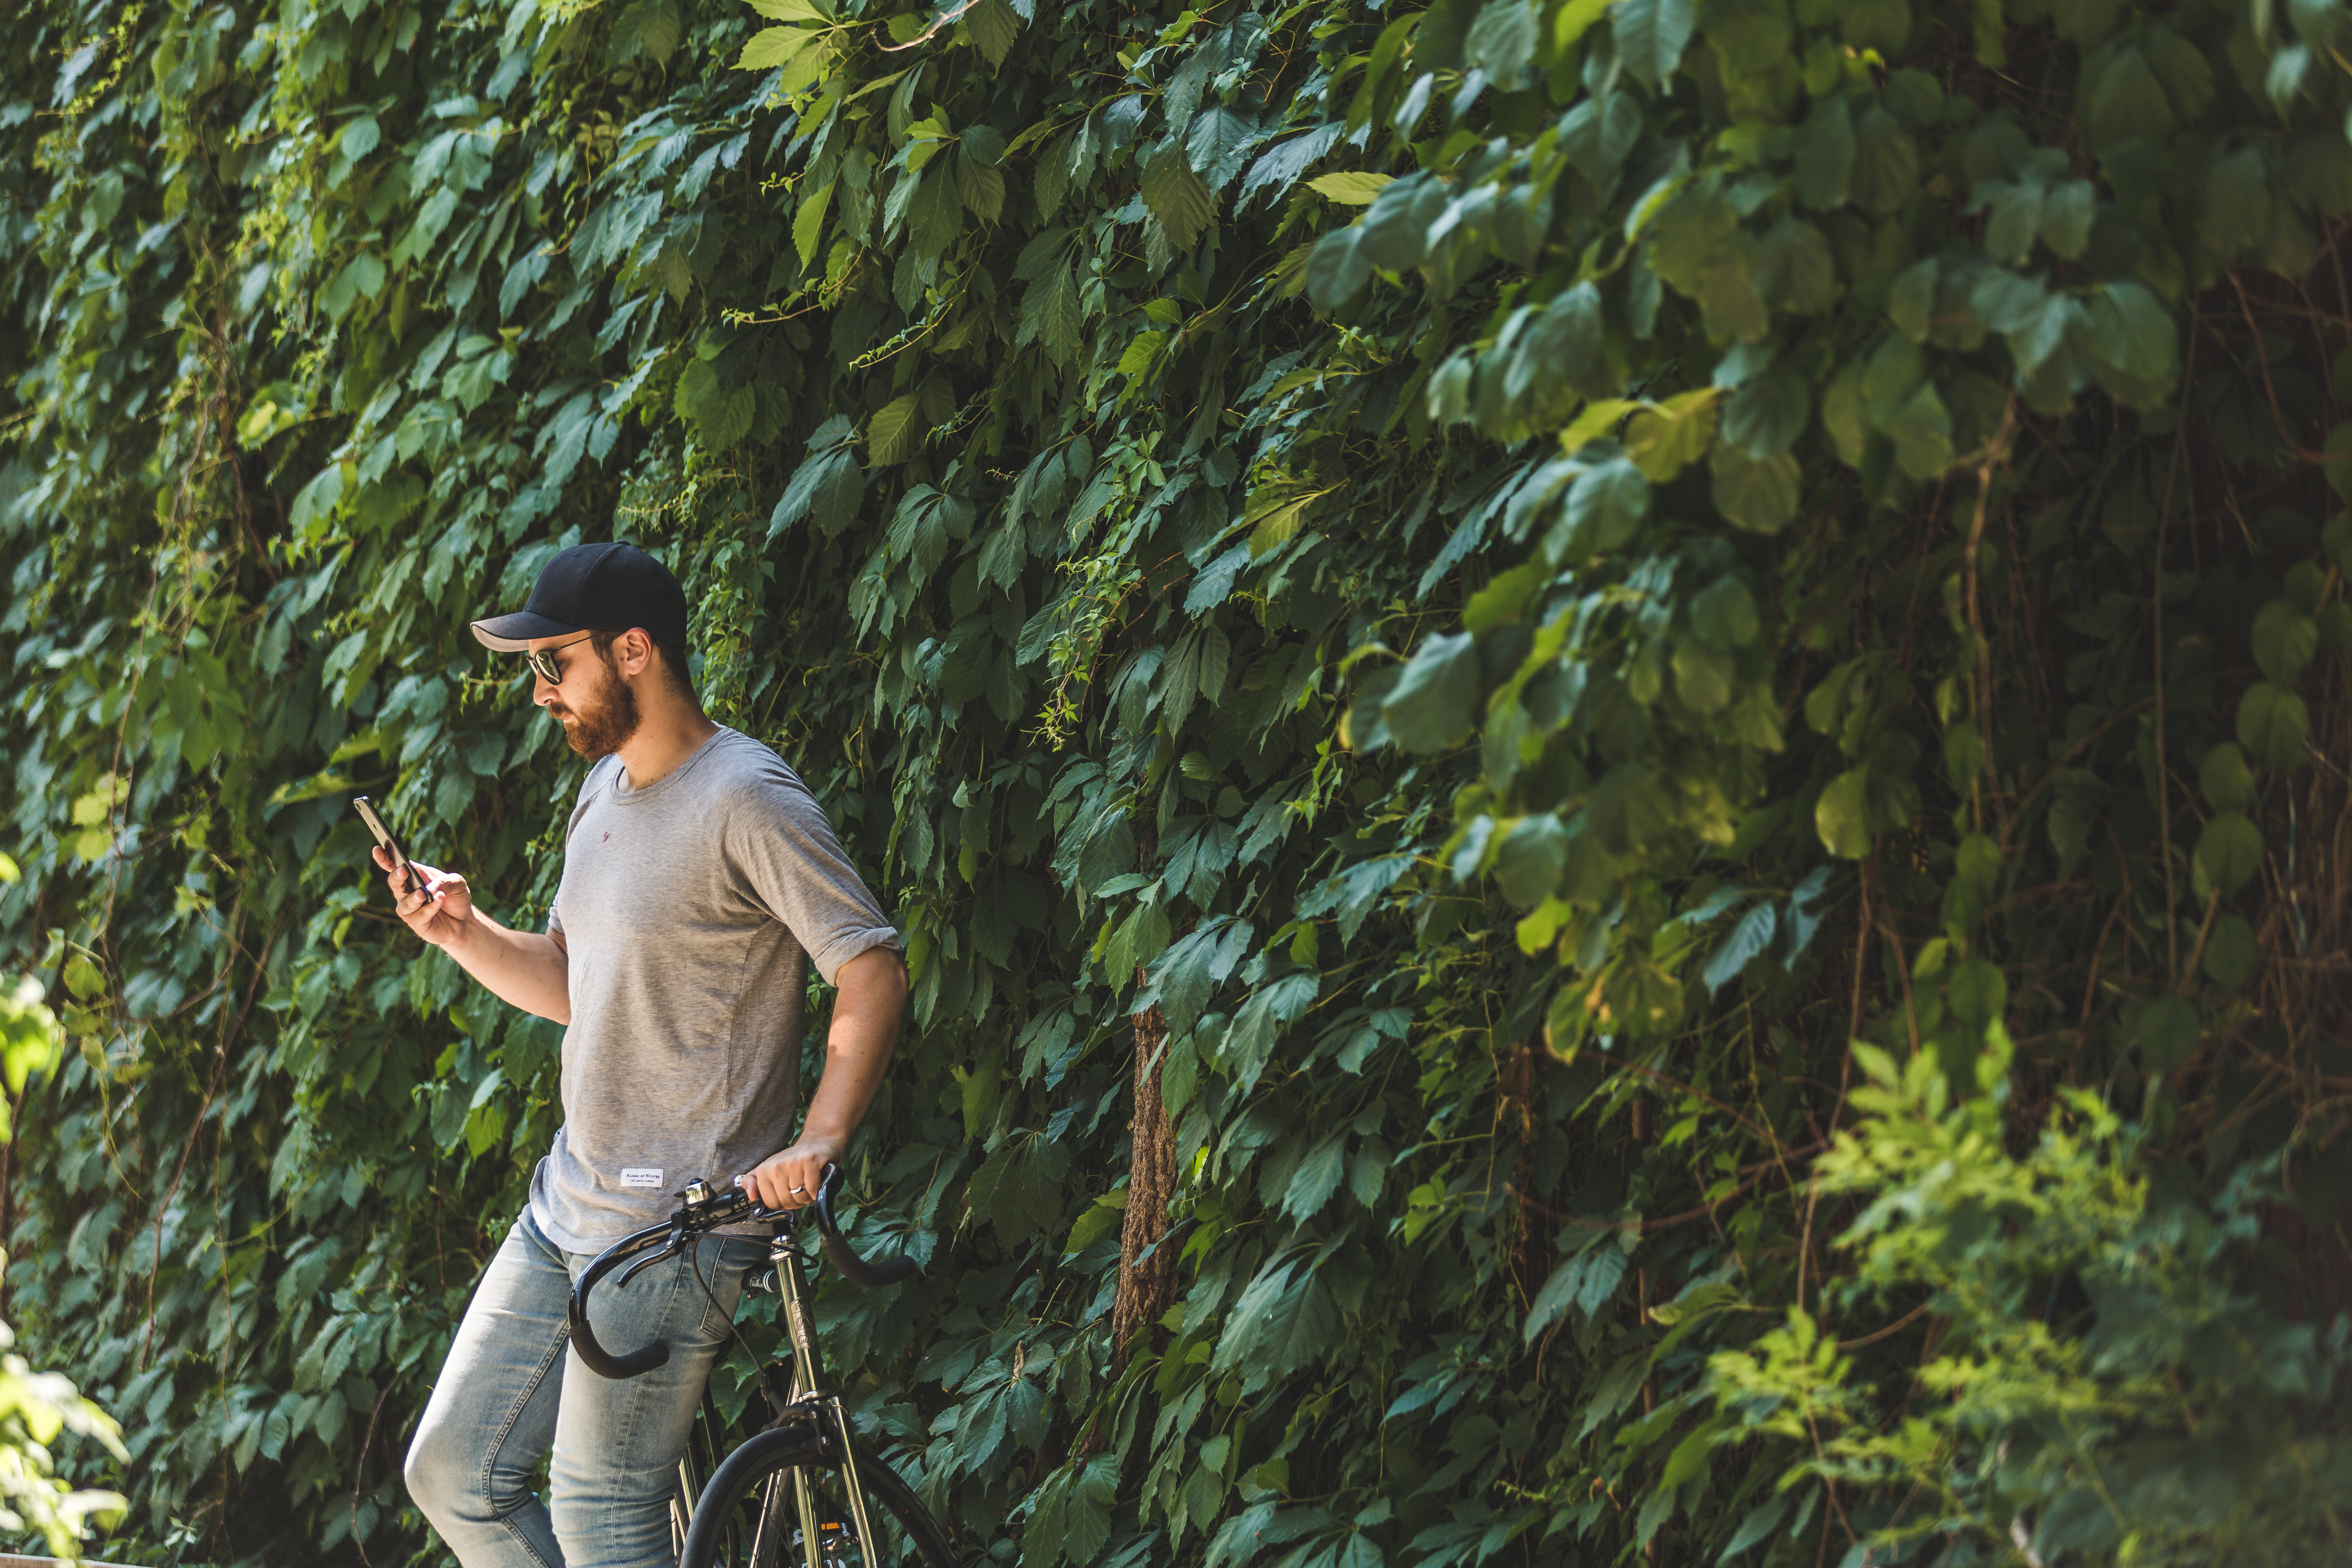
<point>882,967</point>
<point>877,980</point>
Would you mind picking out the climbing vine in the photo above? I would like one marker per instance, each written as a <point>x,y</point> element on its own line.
<point>1610,736</point>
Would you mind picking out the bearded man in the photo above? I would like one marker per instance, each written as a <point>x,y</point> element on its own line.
<point>700,883</point>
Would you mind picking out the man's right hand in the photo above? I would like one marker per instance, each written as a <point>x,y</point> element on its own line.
<point>441,912</point>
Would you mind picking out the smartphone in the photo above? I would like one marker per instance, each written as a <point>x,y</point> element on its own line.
<point>383,835</point>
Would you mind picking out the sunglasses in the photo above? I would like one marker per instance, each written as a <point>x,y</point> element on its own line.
<point>543,661</point>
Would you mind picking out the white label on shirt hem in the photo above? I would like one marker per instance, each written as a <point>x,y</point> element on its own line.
<point>640,1176</point>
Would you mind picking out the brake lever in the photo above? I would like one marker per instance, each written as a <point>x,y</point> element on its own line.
<point>642,1264</point>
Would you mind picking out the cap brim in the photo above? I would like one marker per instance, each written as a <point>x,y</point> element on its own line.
<point>515,633</point>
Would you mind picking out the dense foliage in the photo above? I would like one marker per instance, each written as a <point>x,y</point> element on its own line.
<point>1645,694</point>
<point>35,1407</point>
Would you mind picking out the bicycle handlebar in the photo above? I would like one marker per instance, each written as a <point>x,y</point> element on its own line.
<point>730,1206</point>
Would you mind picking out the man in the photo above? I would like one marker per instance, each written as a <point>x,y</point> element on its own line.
<point>700,880</point>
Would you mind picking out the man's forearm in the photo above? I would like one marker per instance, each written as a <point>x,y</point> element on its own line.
<point>873,996</point>
<point>528,969</point>
<point>859,1043</point>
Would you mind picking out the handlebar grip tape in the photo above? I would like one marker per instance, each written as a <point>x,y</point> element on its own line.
<point>594,1356</point>
<point>870,1274</point>
<point>858,1271</point>
<point>605,1365</point>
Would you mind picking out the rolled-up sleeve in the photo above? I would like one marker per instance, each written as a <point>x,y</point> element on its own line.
<point>779,842</point>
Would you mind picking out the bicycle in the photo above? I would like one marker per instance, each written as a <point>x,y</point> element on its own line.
<point>779,1496</point>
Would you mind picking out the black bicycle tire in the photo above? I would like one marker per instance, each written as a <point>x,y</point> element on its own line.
<point>789,1447</point>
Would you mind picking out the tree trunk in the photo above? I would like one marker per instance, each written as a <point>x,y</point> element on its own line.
<point>1146,1287</point>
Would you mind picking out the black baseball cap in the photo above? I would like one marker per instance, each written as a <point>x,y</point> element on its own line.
<point>593,588</point>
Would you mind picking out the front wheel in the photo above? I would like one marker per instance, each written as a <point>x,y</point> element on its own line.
<point>774,1492</point>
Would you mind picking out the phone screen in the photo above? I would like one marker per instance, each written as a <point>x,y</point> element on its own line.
<point>383,835</point>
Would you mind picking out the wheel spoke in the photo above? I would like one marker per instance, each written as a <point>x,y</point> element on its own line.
<point>753,1516</point>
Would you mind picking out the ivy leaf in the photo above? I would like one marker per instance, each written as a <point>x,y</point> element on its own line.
<point>721,416</point>
<point>1108,851</point>
<point>2066,213</point>
<point>1316,1178</point>
<point>1912,300</point>
<point>2231,953</point>
<point>1354,189</point>
<point>82,977</point>
<point>1282,167</point>
<point>1396,229</point>
<point>2272,724</point>
<point>1886,163</point>
<point>1435,701</point>
<point>992,25</point>
<point>1703,676</point>
<point>1606,504</point>
<point>1218,143</point>
<point>1502,41</point>
<point>1565,342</point>
<point>1922,432</point>
<point>2284,639</point>
<point>1664,441</point>
<point>1053,313</point>
<point>1765,418</point>
<point>808,224</point>
<point>1652,35</point>
<point>648,27</point>
<point>773,46</point>
<point>2229,852</point>
<point>1825,154</point>
<point>1761,1522</point>
<point>362,278</point>
<point>1977,992</point>
<point>2125,102</point>
<point>1177,197</point>
<point>1531,858</point>
<point>1338,268</point>
<point>826,486</point>
<point>1743,944</point>
<point>1793,269</point>
<point>1276,510</point>
<point>1758,496</point>
<point>2227,782</point>
<point>1724,614</point>
<point>2134,343</point>
<point>1841,815</point>
<point>1585,1282</point>
<point>1284,1320</point>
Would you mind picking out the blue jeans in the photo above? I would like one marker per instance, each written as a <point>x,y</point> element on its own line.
<point>512,1393</point>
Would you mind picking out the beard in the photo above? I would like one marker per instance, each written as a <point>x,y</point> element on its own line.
<point>602,726</point>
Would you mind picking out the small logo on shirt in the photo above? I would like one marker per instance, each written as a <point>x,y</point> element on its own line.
<point>640,1176</point>
<point>606,839</point>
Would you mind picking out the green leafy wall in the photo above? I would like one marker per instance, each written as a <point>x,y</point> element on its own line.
<point>1645,698</point>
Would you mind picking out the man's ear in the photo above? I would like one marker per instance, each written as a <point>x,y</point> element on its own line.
<point>637,650</point>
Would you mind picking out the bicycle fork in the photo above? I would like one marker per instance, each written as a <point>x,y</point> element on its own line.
<point>809,1388</point>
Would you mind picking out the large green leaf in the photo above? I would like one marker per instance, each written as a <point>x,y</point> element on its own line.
<point>1177,197</point>
<point>1434,702</point>
<point>1652,35</point>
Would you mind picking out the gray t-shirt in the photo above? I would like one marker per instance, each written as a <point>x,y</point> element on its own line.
<point>690,911</point>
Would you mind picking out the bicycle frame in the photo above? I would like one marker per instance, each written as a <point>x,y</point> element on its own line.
<point>810,1389</point>
<point>811,1397</point>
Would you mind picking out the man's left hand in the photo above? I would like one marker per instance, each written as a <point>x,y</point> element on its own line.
<point>788,1181</point>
